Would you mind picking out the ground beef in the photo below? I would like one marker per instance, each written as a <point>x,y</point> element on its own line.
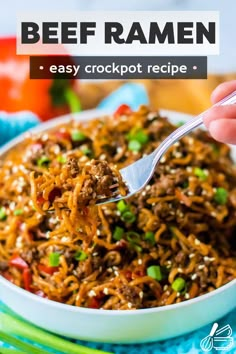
<point>161,210</point>
<point>104,184</point>
<point>97,262</point>
<point>164,186</point>
<point>73,166</point>
<point>180,258</point>
<point>87,190</point>
<point>131,294</point>
<point>99,183</point>
<point>100,168</point>
<point>29,255</point>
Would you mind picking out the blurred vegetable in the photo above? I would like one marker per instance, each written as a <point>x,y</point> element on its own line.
<point>18,262</point>
<point>27,279</point>
<point>54,259</point>
<point>48,270</point>
<point>221,196</point>
<point>122,110</point>
<point>46,98</point>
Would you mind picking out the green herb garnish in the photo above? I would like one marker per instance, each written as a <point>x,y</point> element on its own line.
<point>134,145</point>
<point>136,247</point>
<point>221,196</point>
<point>141,136</point>
<point>154,272</point>
<point>61,159</point>
<point>180,123</point>
<point>178,284</point>
<point>118,233</point>
<point>128,217</point>
<point>122,206</point>
<point>77,135</point>
<point>150,237</point>
<point>80,255</point>
<point>18,212</point>
<point>87,152</point>
<point>3,214</point>
<point>200,173</point>
<point>43,161</point>
<point>133,236</point>
<point>54,259</point>
<point>12,326</point>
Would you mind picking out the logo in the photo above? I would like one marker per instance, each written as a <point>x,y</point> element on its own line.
<point>219,339</point>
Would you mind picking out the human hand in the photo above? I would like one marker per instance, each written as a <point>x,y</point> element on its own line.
<point>221,120</point>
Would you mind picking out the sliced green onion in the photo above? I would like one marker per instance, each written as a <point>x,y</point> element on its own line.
<point>17,343</point>
<point>3,214</point>
<point>200,173</point>
<point>61,159</point>
<point>133,236</point>
<point>134,145</point>
<point>18,212</point>
<point>43,161</point>
<point>138,135</point>
<point>178,284</point>
<point>77,135</point>
<point>180,123</point>
<point>137,248</point>
<point>80,255</point>
<point>221,196</point>
<point>142,137</point>
<point>118,233</point>
<point>128,217</point>
<point>54,259</point>
<point>122,206</point>
<point>87,152</point>
<point>154,272</point>
<point>150,237</point>
<point>13,326</point>
<point>11,351</point>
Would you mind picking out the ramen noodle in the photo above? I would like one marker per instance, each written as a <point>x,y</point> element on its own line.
<point>170,242</point>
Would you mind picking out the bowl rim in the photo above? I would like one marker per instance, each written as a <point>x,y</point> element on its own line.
<point>81,116</point>
<point>136,312</point>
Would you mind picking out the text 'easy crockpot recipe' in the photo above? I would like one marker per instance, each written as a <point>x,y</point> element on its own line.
<point>173,241</point>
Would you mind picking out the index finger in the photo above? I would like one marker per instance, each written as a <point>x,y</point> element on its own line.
<point>223,90</point>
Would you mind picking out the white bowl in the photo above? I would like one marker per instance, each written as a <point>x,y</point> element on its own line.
<point>134,326</point>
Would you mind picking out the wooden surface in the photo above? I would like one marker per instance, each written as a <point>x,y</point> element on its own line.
<point>190,96</point>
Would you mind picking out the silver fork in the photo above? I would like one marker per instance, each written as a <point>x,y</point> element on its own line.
<point>138,174</point>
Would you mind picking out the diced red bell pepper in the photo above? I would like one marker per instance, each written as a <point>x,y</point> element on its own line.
<point>18,92</point>
<point>40,200</point>
<point>94,303</point>
<point>18,262</point>
<point>63,135</point>
<point>48,270</point>
<point>122,110</point>
<point>27,279</point>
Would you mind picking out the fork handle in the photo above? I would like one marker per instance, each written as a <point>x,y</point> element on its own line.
<point>188,127</point>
